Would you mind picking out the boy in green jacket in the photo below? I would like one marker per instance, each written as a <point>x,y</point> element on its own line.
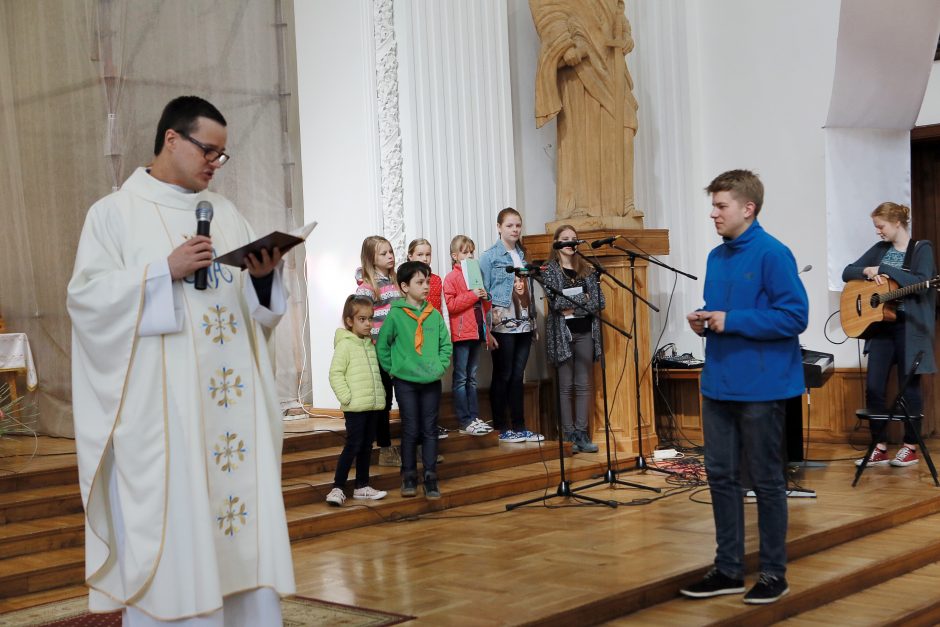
<point>414,348</point>
<point>357,383</point>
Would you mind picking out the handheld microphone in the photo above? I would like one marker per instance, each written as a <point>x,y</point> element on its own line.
<point>204,214</point>
<point>527,269</point>
<point>604,242</point>
<point>574,243</point>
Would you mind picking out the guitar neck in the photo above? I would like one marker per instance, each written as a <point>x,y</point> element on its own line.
<point>905,291</point>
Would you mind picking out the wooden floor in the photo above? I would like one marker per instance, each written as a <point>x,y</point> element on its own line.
<point>864,556</point>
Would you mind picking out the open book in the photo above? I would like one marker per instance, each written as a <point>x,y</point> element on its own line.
<point>276,239</point>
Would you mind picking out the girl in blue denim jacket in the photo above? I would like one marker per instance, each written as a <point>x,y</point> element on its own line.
<point>512,324</point>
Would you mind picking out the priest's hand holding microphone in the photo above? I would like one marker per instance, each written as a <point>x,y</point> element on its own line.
<point>195,254</point>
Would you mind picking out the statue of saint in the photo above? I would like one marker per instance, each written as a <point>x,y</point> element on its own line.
<point>582,78</point>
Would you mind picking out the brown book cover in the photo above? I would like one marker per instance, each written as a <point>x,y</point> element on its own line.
<point>275,239</point>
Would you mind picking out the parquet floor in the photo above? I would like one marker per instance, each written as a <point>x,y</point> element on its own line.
<point>567,564</point>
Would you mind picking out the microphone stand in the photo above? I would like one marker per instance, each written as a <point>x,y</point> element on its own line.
<point>610,475</point>
<point>564,486</point>
<point>641,459</point>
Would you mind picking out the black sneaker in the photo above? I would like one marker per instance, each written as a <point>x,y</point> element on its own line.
<point>767,589</point>
<point>714,583</point>
<point>431,491</point>
<point>409,486</point>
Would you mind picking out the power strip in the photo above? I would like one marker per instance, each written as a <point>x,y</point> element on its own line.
<point>664,453</point>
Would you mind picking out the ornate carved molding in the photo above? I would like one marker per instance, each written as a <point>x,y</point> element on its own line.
<point>386,79</point>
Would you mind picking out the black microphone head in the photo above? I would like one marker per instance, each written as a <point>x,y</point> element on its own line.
<point>573,243</point>
<point>204,211</point>
<point>605,241</point>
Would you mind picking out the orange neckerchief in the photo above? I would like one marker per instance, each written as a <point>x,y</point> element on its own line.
<point>419,334</point>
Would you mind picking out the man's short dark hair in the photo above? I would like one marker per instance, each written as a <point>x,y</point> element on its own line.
<point>744,185</point>
<point>182,115</point>
<point>407,270</point>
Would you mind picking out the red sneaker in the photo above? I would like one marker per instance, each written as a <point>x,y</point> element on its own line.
<point>879,457</point>
<point>905,457</point>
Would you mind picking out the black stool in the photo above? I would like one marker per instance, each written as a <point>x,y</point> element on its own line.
<point>898,413</point>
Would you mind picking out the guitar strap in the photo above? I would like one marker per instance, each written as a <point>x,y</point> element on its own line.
<point>909,255</point>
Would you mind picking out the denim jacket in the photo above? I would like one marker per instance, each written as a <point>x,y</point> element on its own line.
<point>496,280</point>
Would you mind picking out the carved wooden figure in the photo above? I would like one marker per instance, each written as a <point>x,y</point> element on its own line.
<point>582,78</point>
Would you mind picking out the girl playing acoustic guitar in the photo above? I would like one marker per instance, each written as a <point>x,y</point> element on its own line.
<point>906,261</point>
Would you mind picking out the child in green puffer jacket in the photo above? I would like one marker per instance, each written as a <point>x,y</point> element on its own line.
<point>357,383</point>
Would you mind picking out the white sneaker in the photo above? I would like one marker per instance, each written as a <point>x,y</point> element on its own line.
<point>476,428</point>
<point>336,497</point>
<point>369,493</point>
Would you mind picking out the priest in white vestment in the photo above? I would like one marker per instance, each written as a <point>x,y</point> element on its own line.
<point>177,422</point>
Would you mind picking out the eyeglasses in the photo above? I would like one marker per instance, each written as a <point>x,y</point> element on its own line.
<point>212,155</point>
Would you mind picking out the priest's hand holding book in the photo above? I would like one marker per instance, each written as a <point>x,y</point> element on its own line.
<point>264,266</point>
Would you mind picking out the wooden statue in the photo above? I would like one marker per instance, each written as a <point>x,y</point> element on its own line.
<point>582,78</point>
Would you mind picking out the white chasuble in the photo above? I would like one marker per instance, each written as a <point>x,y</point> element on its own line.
<point>185,426</point>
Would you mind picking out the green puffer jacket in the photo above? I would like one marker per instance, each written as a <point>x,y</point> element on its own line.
<point>354,373</point>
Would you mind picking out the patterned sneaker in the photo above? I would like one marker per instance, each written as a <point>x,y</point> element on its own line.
<point>476,428</point>
<point>389,456</point>
<point>336,497</point>
<point>369,493</point>
<point>767,590</point>
<point>530,437</point>
<point>441,433</point>
<point>511,437</point>
<point>879,457</point>
<point>905,457</point>
<point>713,584</point>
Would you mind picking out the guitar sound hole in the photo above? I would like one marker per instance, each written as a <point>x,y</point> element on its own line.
<point>875,301</point>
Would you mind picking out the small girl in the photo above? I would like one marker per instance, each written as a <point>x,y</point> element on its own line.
<point>513,327</point>
<point>376,280</point>
<point>573,335</point>
<point>357,383</point>
<point>467,310</point>
<point>420,250</point>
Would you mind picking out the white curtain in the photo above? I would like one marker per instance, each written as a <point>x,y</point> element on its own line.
<point>883,60</point>
<point>82,85</point>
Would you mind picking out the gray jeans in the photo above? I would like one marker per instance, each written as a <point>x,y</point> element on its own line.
<point>574,383</point>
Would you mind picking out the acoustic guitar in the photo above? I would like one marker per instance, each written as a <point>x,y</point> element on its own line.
<point>863,303</point>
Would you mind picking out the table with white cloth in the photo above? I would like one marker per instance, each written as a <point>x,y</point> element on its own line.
<point>16,358</point>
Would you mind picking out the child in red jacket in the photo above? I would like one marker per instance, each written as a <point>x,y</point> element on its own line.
<point>467,310</point>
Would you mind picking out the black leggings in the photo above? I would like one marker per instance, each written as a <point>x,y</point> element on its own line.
<point>886,349</point>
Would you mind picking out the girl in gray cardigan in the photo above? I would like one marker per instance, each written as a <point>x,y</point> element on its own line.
<point>573,336</point>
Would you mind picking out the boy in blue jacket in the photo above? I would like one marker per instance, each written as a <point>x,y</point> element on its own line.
<point>755,308</point>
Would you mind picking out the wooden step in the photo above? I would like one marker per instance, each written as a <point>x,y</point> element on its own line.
<point>31,503</point>
<point>66,473</point>
<point>910,599</point>
<point>816,579</point>
<point>318,518</point>
<point>33,536</point>
<point>41,571</point>
<point>312,488</point>
<point>319,460</point>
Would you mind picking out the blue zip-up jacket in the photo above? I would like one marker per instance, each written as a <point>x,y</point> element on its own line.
<point>496,280</point>
<point>753,278</point>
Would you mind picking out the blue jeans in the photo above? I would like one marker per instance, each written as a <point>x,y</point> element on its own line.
<point>758,427</point>
<point>418,407</point>
<point>506,387</point>
<point>466,361</point>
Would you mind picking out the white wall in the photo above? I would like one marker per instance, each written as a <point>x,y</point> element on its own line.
<point>930,109</point>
